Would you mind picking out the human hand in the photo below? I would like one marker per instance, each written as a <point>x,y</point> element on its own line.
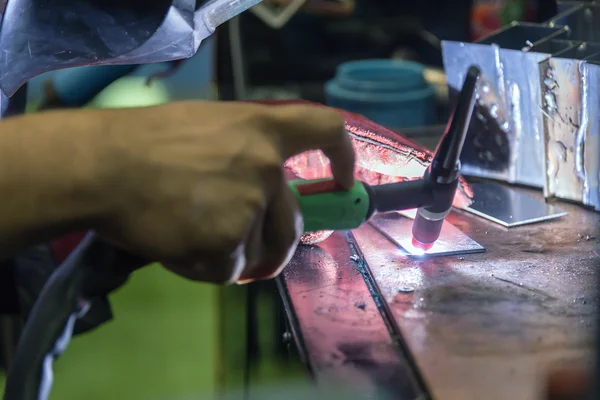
<point>200,186</point>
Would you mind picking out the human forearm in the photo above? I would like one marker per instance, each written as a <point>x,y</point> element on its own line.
<point>197,185</point>
<point>49,177</point>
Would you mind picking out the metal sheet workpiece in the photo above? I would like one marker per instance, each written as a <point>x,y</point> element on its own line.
<point>508,207</point>
<point>535,119</point>
<point>451,242</point>
<point>340,329</point>
<point>463,323</point>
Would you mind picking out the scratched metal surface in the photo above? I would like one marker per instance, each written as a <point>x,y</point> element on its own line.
<point>488,325</point>
<point>478,326</point>
<point>338,326</point>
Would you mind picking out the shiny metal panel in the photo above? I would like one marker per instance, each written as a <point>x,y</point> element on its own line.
<point>509,207</point>
<point>452,241</point>
<point>506,134</point>
<point>540,115</point>
<point>571,140</point>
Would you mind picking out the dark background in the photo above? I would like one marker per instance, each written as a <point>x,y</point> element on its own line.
<point>309,48</point>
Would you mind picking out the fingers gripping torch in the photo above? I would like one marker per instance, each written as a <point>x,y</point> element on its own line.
<point>325,206</point>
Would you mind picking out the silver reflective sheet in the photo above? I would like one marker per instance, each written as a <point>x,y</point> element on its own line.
<point>452,241</point>
<point>508,207</point>
<point>535,123</point>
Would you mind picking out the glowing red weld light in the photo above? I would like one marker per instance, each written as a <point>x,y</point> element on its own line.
<point>422,246</point>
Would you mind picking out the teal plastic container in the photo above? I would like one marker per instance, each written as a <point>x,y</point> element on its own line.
<point>390,92</point>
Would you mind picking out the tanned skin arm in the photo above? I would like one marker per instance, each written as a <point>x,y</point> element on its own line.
<point>49,177</point>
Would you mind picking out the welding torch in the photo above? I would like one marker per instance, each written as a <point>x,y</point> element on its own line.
<point>326,206</point>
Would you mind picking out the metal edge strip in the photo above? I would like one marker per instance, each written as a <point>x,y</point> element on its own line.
<point>294,325</point>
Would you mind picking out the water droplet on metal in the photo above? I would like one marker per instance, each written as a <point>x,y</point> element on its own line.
<point>494,110</point>
<point>355,257</point>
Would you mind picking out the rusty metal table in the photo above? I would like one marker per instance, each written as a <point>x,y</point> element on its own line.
<point>480,326</point>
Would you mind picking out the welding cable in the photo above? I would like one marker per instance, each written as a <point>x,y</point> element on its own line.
<point>93,269</point>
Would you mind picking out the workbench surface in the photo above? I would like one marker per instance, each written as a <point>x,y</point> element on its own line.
<point>478,326</point>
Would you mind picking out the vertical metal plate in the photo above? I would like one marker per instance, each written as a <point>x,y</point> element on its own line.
<point>452,241</point>
<point>571,135</point>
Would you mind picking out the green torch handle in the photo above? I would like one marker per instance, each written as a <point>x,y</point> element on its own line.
<point>327,207</point>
